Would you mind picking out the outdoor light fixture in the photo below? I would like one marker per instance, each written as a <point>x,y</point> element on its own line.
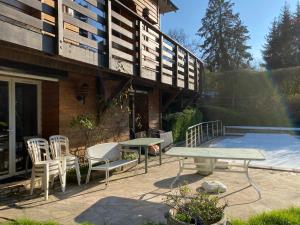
<point>82,93</point>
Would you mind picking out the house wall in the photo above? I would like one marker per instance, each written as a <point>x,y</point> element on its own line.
<point>115,126</point>
<point>152,5</point>
<point>50,108</point>
<point>154,109</point>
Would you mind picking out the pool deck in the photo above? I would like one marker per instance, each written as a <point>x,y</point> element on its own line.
<point>134,197</point>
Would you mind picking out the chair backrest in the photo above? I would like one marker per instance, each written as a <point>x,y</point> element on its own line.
<point>36,147</point>
<point>110,151</point>
<point>168,139</point>
<point>58,143</point>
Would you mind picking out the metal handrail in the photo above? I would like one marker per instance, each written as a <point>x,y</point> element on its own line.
<point>203,132</point>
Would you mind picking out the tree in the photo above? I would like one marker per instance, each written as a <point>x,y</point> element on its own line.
<point>224,37</point>
<point>282,43</point>
<point>182,38</point>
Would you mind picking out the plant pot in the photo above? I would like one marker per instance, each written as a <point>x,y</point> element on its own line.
<point>171,220</point>
<point>205,166</point>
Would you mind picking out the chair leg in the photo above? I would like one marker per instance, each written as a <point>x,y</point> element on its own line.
<point>78,173</point>
<point>88,175</point>
<point>32,181</point>
<point>61,178</point>
<point>52,181</point>
<point>46,181</point>
<point>106,178</point>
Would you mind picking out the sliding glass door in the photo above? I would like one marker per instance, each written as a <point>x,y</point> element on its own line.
<point>4,128</point>
<point>19,118</point>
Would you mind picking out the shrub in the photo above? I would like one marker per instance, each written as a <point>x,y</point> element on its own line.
<point>180,121</point>
<point>289,216</point>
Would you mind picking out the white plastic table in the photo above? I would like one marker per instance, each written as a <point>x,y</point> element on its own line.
<point>245,154</point>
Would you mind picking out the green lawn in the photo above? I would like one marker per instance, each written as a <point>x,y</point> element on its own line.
<point>289,216</point>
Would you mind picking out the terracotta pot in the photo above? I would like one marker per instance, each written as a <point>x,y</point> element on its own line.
<point>171,220</point>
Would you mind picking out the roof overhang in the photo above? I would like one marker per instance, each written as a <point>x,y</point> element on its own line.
<point>166,6</point>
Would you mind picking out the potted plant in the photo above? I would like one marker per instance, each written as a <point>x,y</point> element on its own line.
<point>194,209</point>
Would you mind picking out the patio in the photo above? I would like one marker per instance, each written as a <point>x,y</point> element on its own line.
<point>134,197</point>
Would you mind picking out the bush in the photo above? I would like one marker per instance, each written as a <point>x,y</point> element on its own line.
<point>180,121</point>
<point>289,216</point>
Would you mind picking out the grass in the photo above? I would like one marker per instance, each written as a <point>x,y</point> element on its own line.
<point>289,216</point>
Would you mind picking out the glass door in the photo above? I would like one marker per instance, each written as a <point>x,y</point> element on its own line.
<point>19,118</point>
<point>4,128</point>
<point>26,121</point>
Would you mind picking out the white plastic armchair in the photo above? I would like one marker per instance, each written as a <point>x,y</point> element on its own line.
<point>59,146</point>
<point>45,168</point>
<point>106,157</point>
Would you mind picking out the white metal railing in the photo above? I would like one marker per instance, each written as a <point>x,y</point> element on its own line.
<point>203,132</point>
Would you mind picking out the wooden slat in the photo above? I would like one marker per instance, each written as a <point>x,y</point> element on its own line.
<point>181,61</point>
<point>149,64</point>
<point>79,23</point>
<point>19,16</point>
<point>169,55</point>
<point>122,42</point>
<point>71,27</point>
<point>49,3</point>
<point>33,4</point>
<point>167,63</point>
<point>166,71</point>
<point>149,55</point>
<point>78,38</point>
<point>151,45</point>
<point>191,67</point>
<point>166,79</point>
<point>168,46</point>
<point>122,31</point>
<point>122,55</point>
<point>181,54</point>
<point>122,18</point>
<point>181,69</point>
<point>80,9</point>
<point>148,35</point>
<point>48,18</point>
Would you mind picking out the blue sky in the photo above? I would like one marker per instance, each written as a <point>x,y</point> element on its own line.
<point>257,15</point>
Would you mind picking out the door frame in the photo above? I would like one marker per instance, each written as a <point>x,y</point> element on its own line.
<point>12,117</point>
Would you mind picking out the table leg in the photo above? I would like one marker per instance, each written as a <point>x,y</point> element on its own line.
<point>140,152</point>
<point>160,154</point>
<point>251,182</point>
<point>178,174</point>
<point>146,159</point>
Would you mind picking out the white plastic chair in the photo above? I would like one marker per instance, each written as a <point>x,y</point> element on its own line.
<point>42,165</point>
<point>58,143</point>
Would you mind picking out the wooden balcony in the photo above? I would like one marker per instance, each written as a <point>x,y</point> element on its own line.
<point>104,33</point>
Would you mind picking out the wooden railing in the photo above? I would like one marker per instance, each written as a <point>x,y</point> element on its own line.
<point>103,33</point>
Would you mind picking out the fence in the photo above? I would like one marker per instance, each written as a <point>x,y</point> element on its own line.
<point>203,132</point>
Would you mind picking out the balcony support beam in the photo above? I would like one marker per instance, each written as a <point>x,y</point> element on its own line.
<point>109,34</point>
<point>60,27</point>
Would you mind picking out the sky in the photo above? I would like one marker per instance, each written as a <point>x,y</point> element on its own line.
<point>257,15</point>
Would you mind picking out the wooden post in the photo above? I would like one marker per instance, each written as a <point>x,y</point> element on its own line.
<point>176,66</point>
<point>60,27</point>
<point>161,46</point>
<point>186,77</point>
<point>109,34</point>
<point>196,75</point>
<point>140,48</point>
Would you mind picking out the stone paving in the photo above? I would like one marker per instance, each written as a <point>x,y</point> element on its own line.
<point>133,197</point>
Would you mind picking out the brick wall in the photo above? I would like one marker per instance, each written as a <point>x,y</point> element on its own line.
<point>115,120</point>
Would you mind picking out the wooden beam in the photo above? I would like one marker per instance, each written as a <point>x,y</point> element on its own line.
<point>109,34</point>
<point>60,27</point>
<point>187,70</point>
<point>140,48</point>
<point>175,67</point>
<point>161,65</point>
